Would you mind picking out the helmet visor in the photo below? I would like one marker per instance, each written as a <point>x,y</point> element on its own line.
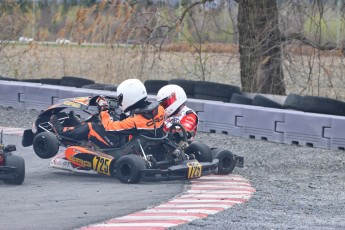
<point>166,102</point>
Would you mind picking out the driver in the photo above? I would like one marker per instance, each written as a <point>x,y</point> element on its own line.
<point>173,99</point>
<point>141,116</point>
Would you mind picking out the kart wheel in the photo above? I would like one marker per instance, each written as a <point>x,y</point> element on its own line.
<point>201,151</point>
<point>128,168</point>
<point>226,159</point>
<point>46,145</point>
<point>19,164</point>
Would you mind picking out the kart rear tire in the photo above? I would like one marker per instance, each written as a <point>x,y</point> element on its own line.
<point>46,145</point>
<point>226,159</point>
<point>19,164</point>
<point>200,150</point>
<point>128,168</point>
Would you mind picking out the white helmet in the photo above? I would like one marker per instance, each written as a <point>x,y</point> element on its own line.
<point>171,97</point>
<point>130,92</point>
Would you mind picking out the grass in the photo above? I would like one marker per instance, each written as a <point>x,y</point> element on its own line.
<point>306,71</point>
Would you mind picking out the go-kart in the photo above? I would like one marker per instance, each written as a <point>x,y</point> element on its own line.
<point>12,168</point>
<point>143,157</point>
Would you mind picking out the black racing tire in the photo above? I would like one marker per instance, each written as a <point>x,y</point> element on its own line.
<point>31,80</point>
<point>201,151</point>
<point>128,168</point>
<point>75,81</point>
<point>187,85</point>
<point>153,86</point>
<point>46,145</point>
<point>19,164</point>
<point>215,89</point>
<point>98,86</point>
<point>7,79</point>
<point>211,98</point>
<point>323,105</point>
<point>293,102</point>
<point>227,162</point>
<point>241,99</point>
<point>260,100</point>
<point>112,88</point>
<point>51,81</point>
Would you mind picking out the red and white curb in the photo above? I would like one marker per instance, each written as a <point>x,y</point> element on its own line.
<point>12,131</point>
<point>207,195</point>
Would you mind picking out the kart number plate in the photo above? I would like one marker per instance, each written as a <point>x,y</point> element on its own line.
<point>194,170</point>
<point>101,165</point>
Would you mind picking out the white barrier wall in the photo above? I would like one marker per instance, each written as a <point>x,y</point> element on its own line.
<point>276,125</point>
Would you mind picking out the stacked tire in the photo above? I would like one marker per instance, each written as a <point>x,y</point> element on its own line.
<point>215,91</point>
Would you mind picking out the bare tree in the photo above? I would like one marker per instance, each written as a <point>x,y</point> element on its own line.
<point>260,47</point>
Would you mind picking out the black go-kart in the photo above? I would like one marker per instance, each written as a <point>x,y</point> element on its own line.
<point>166,157</point>
<point>12,167</point>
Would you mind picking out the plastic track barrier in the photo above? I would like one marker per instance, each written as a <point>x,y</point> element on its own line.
<point>247,121</point>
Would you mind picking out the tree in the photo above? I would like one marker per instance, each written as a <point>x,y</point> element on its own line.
<point>260,47</point>
<point>10,28</point>
<point>260,43</point>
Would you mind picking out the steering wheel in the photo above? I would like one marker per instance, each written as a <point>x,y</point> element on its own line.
<point>178,133</point>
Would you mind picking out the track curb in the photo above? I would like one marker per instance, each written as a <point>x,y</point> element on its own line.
<point>205,196</point>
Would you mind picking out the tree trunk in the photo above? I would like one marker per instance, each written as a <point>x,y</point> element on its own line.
<point>260,47</point>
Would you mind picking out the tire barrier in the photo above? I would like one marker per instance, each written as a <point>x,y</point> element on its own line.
<point>260,100</point>
<point>98,86</point>
<point>187,85</point>
<point>241,99</point>
<point>152,86</point>
<point>214,91</point>
<point>75,81</point>
<point>248,121</point>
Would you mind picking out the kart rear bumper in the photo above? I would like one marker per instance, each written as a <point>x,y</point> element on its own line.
<point>28,138</point>
<point>7,172</point>
<point>189,169</point>
<point>239,161</point>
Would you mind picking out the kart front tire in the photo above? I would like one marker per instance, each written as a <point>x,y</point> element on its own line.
<point>19,164</point>
<point>128,168</point>
<point>46,145</point>
<point>201,151</point>
<point>226,159</point>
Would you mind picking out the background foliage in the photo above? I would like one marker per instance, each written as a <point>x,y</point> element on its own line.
<point>146,39</point>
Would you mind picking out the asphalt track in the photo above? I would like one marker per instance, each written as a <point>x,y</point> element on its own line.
<point>52,199</point>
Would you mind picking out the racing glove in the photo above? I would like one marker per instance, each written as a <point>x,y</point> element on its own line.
<point>102,104</point>
<point>123,116</point>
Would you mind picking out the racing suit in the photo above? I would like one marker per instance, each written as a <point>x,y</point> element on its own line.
<point>136,122</point>
<point>113,134</point>
<point>187,118</point>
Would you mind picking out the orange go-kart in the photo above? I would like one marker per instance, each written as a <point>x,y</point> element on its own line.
<point>142,158</point>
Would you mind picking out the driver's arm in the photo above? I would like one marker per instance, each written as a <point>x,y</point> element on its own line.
<point>190,124</point>
<point>111,125</point>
